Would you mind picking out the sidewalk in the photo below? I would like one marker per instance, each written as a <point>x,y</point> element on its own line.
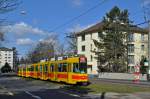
<point>120,81</point>
<point>10,74</point>
<point>112,95</point>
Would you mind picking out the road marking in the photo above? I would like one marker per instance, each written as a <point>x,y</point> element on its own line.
<point>7,91</point>
<point>34,96</point>
<point>10,93</point>
<point>69,94</point>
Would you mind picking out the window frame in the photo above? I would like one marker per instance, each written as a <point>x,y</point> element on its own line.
<point>83,48</point>
<point>129,59</point>
<point>83,37</point>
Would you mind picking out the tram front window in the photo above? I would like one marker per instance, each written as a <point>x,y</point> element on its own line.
<point>83,67</point>
<point>79,68</point>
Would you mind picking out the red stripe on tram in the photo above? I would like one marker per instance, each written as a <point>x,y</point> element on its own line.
<point>62,76</point>
<point>79,77</point>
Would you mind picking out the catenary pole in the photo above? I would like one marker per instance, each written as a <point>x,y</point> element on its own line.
<point>148,50</point>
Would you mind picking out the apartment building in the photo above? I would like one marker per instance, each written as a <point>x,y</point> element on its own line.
<point>137,45</point>
<point>6,55</point>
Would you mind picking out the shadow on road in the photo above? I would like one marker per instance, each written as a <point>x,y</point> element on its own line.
<point>11,74</point>
<point>103,95</point>
<point>64,92</point>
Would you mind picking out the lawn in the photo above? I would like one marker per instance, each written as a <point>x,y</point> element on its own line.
<point>119,88</point>
<point>109,87</point>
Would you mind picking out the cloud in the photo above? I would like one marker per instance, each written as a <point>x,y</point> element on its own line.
<point>50,39</point>
<point>77,2</point>
<point>24,41</point>
<point>146,2</point>
<point>22,28</point>
<point>78,28</point>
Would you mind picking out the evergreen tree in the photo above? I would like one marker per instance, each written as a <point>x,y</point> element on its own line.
<point>6,68</point>
<point>112,45</point>
<point>143,69</point>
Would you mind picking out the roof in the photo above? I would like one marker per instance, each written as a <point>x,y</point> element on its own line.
<point>5,49</point>
<point>99,27</point>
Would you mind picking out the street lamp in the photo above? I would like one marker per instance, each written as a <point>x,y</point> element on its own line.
<point>148,75</point>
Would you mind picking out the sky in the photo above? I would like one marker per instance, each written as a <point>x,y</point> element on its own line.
<point>34,20</point>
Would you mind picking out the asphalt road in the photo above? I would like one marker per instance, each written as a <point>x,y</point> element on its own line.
<point>13,87</point>
<point>44,94</point>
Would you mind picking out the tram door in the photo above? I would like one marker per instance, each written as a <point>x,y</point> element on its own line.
<point>45,72</point>
<point>41,69</point>
<point>52,71</point>
<point>69,72</point>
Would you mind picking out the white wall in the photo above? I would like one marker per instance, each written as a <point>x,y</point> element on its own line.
<point>6,56</point>
<point>122,76</point>
<point>88,41</point>
<point>89,45</point>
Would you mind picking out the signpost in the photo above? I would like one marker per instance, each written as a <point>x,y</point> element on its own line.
<point>136,74</point>
<point>148,74</point>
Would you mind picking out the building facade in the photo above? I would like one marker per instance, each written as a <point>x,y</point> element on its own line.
<point>137,46</point>
<point>6,55</point>
<point>15,59</point>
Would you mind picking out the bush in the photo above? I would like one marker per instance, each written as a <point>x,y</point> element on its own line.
<point>143,69</point>
<point>6,68</point>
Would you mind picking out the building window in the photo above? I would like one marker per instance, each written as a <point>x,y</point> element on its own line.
<point>142,37</point>
<point>142,47</point>
<point>91,36</point>
<point>99,34</point>
<point>91,58</point>
<point>83,48</point>
<point>91,47</point>
<point>83,37</point>
<point>130,48</point>
<point>130,59</point>
<point>131,37</point>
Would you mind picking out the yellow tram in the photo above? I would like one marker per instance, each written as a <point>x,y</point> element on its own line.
<point>71,70</point>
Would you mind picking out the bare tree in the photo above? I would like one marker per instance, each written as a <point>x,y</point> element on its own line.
<point>45,49</point>
<point>61,49</point>
<point>72,43</point>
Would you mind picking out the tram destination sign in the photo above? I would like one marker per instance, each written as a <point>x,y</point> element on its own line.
<point>82,59</point>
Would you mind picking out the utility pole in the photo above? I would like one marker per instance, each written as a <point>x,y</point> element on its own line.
<point>148,21</point>
<point>148,75</point>
<point>73,38</point>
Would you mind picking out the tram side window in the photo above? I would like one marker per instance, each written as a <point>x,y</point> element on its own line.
<point>40,68</point>
<point>28,69</point>
<point>52,67</point>
<point>45,68</point>
<point>76,68</point>
<point>64,67</point>
<point>60,67</point>
<point>83,67</point>
<point>32,68</point>
<point>36,67</point>
<point>24,69</point>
